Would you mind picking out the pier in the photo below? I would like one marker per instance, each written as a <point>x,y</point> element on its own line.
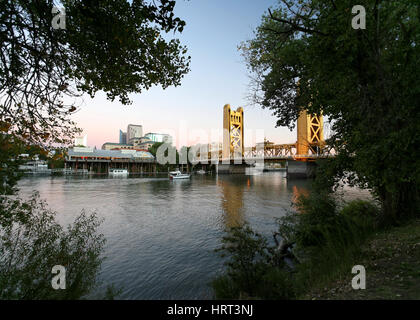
<point>102,161</point>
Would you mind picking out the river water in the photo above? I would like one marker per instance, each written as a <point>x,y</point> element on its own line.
<point>161,234</point>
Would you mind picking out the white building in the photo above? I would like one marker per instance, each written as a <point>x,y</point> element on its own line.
<point>81,141</point>
<point>158,137</point>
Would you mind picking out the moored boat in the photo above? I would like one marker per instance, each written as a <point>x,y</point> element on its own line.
<point>118,172</point>
<point>178,175</point>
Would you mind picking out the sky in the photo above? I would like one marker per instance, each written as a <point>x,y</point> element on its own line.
<point>218,76</point>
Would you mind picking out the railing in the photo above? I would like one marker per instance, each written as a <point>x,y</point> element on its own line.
<point>273,152</point>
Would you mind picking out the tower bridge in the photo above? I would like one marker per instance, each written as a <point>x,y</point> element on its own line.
<point>309,146</point>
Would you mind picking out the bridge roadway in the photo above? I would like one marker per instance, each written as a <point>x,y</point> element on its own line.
<point>269,152</point>
<point>252,160</point>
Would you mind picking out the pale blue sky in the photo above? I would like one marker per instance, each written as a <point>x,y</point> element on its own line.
<point>218,76</point>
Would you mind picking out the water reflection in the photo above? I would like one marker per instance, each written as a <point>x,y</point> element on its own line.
<point>232,202</point>
<point>297,192</point>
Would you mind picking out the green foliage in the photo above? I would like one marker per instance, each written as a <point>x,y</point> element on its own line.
<point>363,213</point>
<point>318,220</point>
<point>118,47</point>
<point>56,163</point>
<point>251,271</point>
<point>321,222</point>
<point>326,241</point>
<point>154,147</point>
<point>112,292</point>
<point>248,256</point>
<point>327,237</point>
<point>57,160</point>
<point>273,284</point>
<point>306,55</point>
<point>32,242</point>
<point>136,55</point>
<point>10,148</point>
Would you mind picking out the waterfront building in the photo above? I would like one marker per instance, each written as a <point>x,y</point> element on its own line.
<point>133,139</point>
<point>136,141</point>
<point>146,144</point>
<point>145,139</point>
<point>93,160</point>
<point>137,144</point>
<point>113,145</point>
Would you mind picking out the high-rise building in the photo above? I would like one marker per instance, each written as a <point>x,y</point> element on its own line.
<point>123,137</point>
<point>134,131</point>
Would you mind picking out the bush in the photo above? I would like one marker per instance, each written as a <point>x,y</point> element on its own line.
<point>251,268</point>
<point>320,222</point>
<point>327,240</point>
<point>317,219</point>
<point>32,242</point>
<point>277,284</point>
<point>248,257</point>
<point>363,213</point>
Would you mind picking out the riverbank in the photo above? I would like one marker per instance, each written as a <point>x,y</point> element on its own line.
<point>392,262</point>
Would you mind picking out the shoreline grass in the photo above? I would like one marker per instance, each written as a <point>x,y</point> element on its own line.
<point>328,242</point>
<point>391,258</point>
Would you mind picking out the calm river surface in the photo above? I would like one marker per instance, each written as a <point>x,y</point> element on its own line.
<point>161,234</point>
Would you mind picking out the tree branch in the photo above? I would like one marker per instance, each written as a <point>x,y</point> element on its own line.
<point>295,26</point>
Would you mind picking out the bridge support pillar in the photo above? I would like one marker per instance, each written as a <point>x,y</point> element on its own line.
<point>300,169</point>
<point>231,168</point>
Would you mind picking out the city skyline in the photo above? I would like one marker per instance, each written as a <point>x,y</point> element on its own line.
<point>218,76</point>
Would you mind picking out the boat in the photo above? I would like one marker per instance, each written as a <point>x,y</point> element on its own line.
<point>35,167</point>
<point>178,175</point>
<point>201,172</point>
<point>118,172</point>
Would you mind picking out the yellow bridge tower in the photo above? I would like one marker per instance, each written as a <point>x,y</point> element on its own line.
<point>233,132</point>
<point>310,134</point>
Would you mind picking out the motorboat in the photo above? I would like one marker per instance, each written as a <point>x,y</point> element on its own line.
<point>201,172</point>
<point>178,175</point>
<point>118,172</point>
